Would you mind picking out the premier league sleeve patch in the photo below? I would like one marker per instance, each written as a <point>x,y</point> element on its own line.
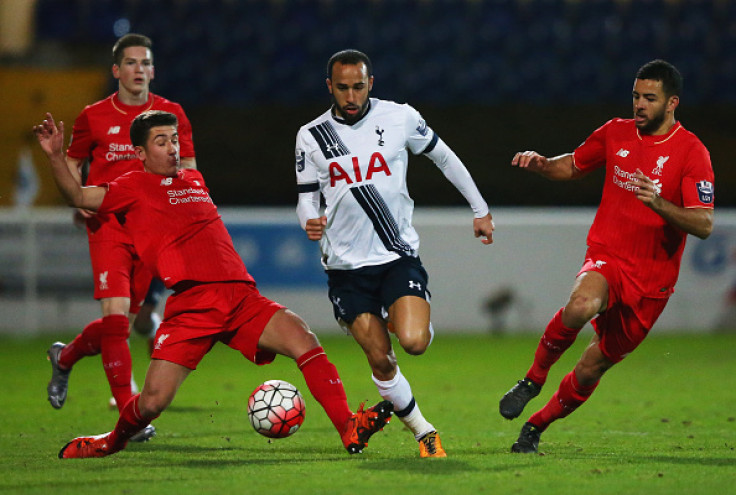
<point>705,191</point>
<point>300,160</point>
<point>422,127</point>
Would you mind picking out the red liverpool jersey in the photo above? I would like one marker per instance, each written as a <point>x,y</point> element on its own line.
<point>649,247</point>
<point>102,134</point>
<point>175,227</point>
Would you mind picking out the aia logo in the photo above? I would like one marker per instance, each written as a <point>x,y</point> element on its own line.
<point>376,164</point>
<point>115,129</point>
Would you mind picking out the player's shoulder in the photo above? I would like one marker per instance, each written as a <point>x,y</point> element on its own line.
<point>101,106</point>
<point>621,124</point>
<point>161,103</point>
<point>618,128</point>
<point>379,106</point>
<point>132,180</point>
<point>687,134</point>
<point>191,174</point>
<point>322,118</point>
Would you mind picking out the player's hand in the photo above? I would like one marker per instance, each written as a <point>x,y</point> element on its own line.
<point>81,215</point>
<point>315,227</point>
<point>647,189</point>
<point>483,227</point>
<point>530,160</point>
<point>50,136</point>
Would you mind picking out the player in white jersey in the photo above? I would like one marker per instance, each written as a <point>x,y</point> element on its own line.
<point>356,156</point>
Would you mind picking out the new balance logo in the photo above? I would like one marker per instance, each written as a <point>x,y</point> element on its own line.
<point>103,281</point>
<point>623,153</point>
<point>415,285</point>
<point>167,181</point>
<point>599,264</point>
<point>113,130</point>
<point>160,340</point>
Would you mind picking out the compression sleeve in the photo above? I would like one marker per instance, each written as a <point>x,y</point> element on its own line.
<point>451,166</point>
<point>307,206</point>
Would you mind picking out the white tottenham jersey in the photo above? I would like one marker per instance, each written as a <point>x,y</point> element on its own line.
<point>360,170</point>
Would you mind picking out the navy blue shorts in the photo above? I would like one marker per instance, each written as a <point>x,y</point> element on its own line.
<point>373,289</point>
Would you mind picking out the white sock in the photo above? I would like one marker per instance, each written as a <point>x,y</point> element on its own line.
<point>399,392</point>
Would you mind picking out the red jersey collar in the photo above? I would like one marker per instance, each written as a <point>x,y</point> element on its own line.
<point>126,109</point>
<point>654,140</point>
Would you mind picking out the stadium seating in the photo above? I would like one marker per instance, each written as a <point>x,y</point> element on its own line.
<point>241,52</point>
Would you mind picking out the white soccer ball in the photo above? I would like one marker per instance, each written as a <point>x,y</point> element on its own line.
<point>276,409</point>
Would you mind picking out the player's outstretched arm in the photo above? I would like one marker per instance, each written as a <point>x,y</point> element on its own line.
<point>561,167</point>
<point>51,139</point>
<point>483,227</point>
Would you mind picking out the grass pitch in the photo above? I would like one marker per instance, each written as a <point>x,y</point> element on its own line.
<point>661,422</point>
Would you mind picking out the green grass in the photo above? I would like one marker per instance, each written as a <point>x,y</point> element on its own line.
<point>661,422</point>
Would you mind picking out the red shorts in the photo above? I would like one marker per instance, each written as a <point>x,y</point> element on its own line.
<point>233,313</point>
<point>629,315</point>
<point>118,272</point>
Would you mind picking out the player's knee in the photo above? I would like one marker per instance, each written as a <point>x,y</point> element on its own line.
<point>414,340</point>
<point>590,372</point>
<point>415,345</point>
<point>580,310</point>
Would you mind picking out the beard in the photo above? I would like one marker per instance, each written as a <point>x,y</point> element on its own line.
<point>653,124</point>
<point>350,119</point>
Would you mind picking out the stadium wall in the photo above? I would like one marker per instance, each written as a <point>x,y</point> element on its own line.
<point>513,286</point>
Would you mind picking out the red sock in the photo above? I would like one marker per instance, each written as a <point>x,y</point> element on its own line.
<point>86,343</point>
<point>557,338</point>
<point>116,357</point>
<point>129,423</point>
<point>325,385</point>
<point>568,397</point>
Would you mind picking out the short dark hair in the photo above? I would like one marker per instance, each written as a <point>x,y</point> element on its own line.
<point>143,124</point>
<point>349,57</point>
<point>660,70</point>
<point>130,39</point>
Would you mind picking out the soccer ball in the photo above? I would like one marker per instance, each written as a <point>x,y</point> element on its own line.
<point>276,409</point>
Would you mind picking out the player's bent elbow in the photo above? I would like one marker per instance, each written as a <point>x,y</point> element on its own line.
<point>705,233</point>
<point>704,227</point>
